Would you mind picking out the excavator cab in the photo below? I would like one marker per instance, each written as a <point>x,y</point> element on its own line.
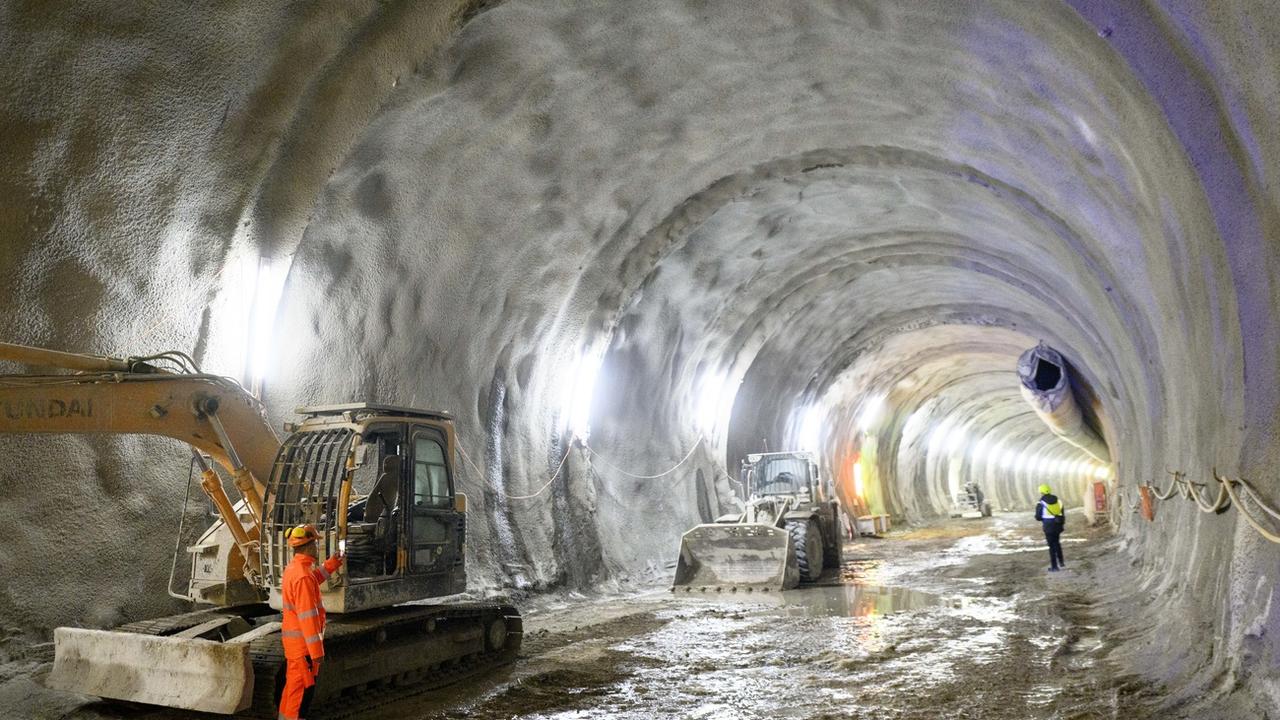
<point>377,481</point>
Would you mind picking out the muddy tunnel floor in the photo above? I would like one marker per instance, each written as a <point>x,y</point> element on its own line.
<point>958,620</point>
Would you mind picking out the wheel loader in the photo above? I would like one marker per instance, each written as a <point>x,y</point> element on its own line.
<point>787,534</point>
<point>970,503</point>
<point>376,480</point>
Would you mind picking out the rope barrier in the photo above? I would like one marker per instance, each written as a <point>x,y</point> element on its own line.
<point>590,450</point>
<point>467,459</point>
<point>1226,497</point>
<point>550,480</point>
<point>1257,499</point>
<point>481,475</point>
<point>664,473</point>
<point>1248,516</point>
<point>1174,487</point>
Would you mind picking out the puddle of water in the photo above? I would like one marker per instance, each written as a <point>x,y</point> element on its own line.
<point>855,601</point>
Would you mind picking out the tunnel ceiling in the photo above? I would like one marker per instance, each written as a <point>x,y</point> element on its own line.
<point>688,225</point>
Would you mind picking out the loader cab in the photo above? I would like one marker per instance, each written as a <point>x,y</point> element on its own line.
<point>794,474</point>
<point>379,481</point>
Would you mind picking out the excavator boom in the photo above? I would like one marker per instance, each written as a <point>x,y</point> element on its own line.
<point>216,417</point>
<point>130,396</point>
<point>147,404</point>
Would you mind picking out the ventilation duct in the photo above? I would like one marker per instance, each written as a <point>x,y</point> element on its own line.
<point>1046,384</point>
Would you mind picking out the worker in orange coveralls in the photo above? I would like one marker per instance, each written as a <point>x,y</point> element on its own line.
<point>302,620</point>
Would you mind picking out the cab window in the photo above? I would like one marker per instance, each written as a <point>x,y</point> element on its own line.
<point>430,476</point>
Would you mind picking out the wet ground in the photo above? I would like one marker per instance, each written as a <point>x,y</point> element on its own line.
<point>959,620</point>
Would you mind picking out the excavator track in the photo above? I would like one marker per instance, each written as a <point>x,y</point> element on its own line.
<point>377,657</point>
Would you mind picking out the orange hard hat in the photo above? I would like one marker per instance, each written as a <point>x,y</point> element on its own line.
<point>302,535</point>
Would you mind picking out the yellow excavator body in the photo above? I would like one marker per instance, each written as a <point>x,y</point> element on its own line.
<point>376,478</point>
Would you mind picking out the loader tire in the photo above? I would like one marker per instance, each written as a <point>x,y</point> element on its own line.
<point>806,536</point>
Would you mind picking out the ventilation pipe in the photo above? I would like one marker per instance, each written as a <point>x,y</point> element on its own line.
<point>1047,386</point>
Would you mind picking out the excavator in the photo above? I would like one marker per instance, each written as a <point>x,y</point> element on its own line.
<point>376,480</point>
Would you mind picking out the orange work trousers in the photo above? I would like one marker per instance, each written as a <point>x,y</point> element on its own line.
<point>299,684</point>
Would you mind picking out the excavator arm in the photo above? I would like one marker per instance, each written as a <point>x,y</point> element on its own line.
<point>177,406</point>
<point>212,414</point>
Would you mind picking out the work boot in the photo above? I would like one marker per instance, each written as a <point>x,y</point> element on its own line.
<point>1053,569</point>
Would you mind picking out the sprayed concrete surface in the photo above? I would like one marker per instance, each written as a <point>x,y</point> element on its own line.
<point>691,226</point>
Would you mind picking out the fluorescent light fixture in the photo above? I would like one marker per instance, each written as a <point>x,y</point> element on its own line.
<point>938,438</point>
<point>709,400</point>
<point>577,392</point>
<point>979,449</point>
<point>810,436</point>
<point>872,409</point>
<point>1007,459</point>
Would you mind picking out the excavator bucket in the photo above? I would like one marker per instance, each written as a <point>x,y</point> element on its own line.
<point>750,556</point>
<point>189,673</point>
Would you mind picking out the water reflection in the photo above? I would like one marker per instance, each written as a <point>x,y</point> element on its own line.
<point>855,600</point>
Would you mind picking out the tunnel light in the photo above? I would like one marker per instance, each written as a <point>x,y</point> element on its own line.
<point>577,392</point>
<point>857,479</point>
<point>938,438</point>
<point>811,429</point>
<point>871,412</point>
<point>809,436</point>
<point>1024,461</point>
<point>1102,472</point>
<point>709,400</point>
<point>260,286</point>
<point>979,449</point>
<point>1008,459</point>
<point>911,426</point>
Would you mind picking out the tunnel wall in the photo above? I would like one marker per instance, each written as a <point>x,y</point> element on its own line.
<point>771,214</point>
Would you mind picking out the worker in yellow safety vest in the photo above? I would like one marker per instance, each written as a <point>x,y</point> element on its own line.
<point>1053,517</point>
<point>302,620</point>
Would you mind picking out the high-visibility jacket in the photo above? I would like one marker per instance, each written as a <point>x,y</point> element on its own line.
<point>1050,512</point>
<point>302,616</point>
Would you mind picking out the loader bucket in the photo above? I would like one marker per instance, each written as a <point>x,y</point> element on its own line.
<point>189,673</point>
<point>737,555</point>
